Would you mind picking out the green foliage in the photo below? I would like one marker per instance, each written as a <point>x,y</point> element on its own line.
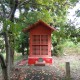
<point>57,42</point>
<point>69,43</point>
<point>57,50</point>
<point>22,39</point>
<point>74,1</point>
<point>17,57</point>
<point>70,47</point>
<point>50,11</point>
<point>65,48</point>
<point>1,45</point>
<point>34,16</point>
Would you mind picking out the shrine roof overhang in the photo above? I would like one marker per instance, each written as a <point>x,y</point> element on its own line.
<point>40,22</point>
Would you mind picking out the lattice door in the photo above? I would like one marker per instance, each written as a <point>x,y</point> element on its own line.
<point>44,46</point>
<point>36,39</point>
<point>36,50</point>
<point>36,45</point>
<point>44,39</point>
<point>44,50</point>
<point>40,45</point>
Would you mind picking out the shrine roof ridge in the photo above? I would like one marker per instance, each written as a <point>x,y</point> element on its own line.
<point>27,29</point>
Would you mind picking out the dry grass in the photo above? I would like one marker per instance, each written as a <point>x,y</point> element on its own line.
<point>71,48</point>
<point>71,51</point>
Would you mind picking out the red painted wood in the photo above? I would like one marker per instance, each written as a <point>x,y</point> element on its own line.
<point>32,60</point>
<point>41,30</point>
<point>39,42</point>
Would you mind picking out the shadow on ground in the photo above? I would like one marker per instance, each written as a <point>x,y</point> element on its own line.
<point>37,73</point>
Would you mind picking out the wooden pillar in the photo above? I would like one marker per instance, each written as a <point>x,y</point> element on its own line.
<point>68,76</point>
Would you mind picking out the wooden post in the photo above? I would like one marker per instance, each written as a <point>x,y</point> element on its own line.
<point>67,70</point>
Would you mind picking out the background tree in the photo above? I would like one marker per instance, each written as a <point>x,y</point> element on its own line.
<point>7,6</point>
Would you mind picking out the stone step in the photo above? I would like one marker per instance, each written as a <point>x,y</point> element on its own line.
<point>40,63</point>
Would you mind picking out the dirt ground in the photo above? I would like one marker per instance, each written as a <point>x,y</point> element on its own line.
<point>56,71</point>
<point>74,60</point>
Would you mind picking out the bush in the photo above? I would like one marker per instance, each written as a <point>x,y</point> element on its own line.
<point>57,50</point>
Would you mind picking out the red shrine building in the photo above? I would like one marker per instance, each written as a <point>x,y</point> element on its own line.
<point>39,43</point>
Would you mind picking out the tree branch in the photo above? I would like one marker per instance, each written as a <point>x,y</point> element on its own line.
<point>2,33</point>
<point>11,17</point>
<point>28,2</point>
<point>3,9</point>
<point>24,2</point>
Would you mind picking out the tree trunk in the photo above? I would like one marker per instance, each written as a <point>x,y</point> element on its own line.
<point>22,48</point>
<point>8,40</point>
<point>8,46</point>
<point>11,38</point>
<point>11,42</point>
<point>8,58</point>
<point>12,58</point>
<point>4,69</point>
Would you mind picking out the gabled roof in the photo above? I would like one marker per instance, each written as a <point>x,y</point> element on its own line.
<point>35,25</point>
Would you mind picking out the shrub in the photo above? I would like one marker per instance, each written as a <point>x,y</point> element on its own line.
<point>57,50</point>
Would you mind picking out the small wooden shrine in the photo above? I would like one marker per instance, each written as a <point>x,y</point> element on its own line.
<point>39,43</point>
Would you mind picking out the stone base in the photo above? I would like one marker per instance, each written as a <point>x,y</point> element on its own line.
<point>40,63</point>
